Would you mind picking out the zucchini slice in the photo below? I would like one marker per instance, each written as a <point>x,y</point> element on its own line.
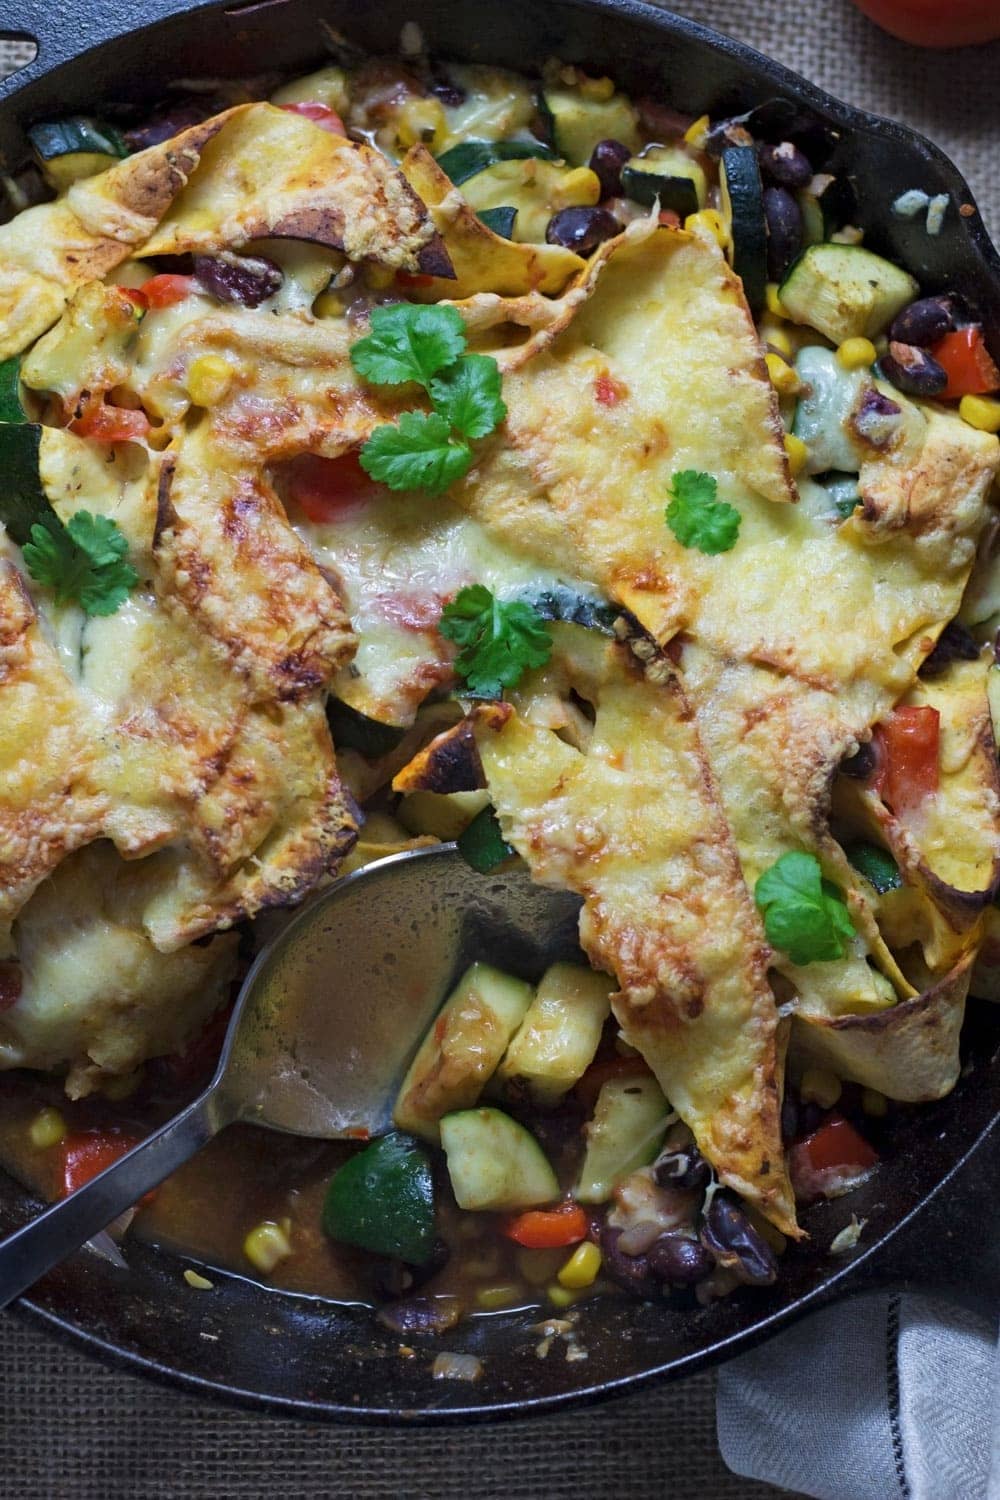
<point>534,189</point>
<point>669,174</point>
<point>462,1049</point>
<point>501,220</point>
<point>469,158</point>
<point>444,814</point>
<point>626,1133</point>
<point>556,1041</point>
<point>23,501</point>
<point>845,291</point>
<point>11,404</point>
<point>561,602</point>
<point>577,124</point>
<point>352,730</point>
<point>743,209</point>
<point>75,147</point>
<point>494,1164</point>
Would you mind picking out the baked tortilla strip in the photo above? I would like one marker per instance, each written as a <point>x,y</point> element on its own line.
<point>273,174</point>
<point>634,826</point>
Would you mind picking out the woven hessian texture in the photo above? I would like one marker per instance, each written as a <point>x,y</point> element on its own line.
<point>73,1430</point>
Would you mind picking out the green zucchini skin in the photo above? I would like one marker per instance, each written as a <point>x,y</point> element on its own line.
<point>471,157</point>
<point>352,730</point>
<point>23,502</point>
<point>500,220</point>
<point>743,205</point>
<point>565,604</point>
<point>75,135</point>
<point>876,865</point>
<point>382,1200</point>
<point>11,405</point>
<point>667,175</point>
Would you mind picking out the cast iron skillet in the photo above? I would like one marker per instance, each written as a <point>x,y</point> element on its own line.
<point>932,1207</point>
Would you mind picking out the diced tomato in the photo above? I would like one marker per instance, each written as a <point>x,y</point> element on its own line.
<point>320,114</point>
<point>324,488</point>
<point>110,424</point>
<point>609,391</point>
<point>597,1075</point>
<point>413,278</point>
<point>930,23</point>
<point>548,1228</point>
<point>167,289</point>
<point>410,609</point>
<point>11,981</point>
<point>837,1144</point>
<point>669,218</point>
<point>86,1153</point>
<point>908,746</point>
<point>966,361</point>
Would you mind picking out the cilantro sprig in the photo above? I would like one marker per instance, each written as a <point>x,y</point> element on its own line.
<point>85,561</point>
<point>425,345</point>
<point>499,639</point>
<point>804,914</point>
<point>697,518</point>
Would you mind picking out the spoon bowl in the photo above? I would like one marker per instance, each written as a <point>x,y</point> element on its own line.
<point>326,1022</point>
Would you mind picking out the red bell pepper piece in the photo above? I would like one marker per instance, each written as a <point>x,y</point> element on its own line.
<point>86,1153</point>
<point>908,744</point>
<point>167,289</point>
<point>967,362</point>
<point>324,488</point>
<point>837,1144</point>
<point>320,114</point>
<point>548,1228</point>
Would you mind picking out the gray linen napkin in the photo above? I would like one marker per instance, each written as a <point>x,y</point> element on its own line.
<point>887,1397</point>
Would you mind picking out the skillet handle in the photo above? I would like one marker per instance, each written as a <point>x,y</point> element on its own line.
<point>949,1246</point>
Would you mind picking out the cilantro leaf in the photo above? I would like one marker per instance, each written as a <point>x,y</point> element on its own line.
<point>804,914</point>
<point>417,454</point>
<point>499,640</point>
<point>409,342</point>
<point>467,393</point>
<point>83,561</point>
<point>697,518</point>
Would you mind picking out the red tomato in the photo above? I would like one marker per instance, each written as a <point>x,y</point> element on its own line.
<point>548,1228</point>
<point>110,424</point>
<point>608,391</point>
<point>837,1144</point>
<point>966,360</point>
<point>165,290</point>
<point>89,1152</point>
<point>413,278</point>
<point>909,750</point>
<point>933,23</point>
<point>320,114</point>
<point>324,488</point>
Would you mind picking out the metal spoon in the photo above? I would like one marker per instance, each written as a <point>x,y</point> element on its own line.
<point>326,1022</point>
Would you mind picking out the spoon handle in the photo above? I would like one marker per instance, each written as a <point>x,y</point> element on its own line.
<point>53,1235</point>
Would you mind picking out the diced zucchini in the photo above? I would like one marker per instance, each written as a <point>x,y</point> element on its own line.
<point>561,602</point>
<point>742,200</point>
<point>444,814</point>
<point>578,123</point>
<point>876,865</point>
<point>501,220</point>
<point>626,1133</point>
<point>495,1165</point>
<point>556,1041</point>
<point>462,1049</point>
<point>469,158</point>
<point>326,86</point>
<point>382,1200</point>
<point>813,223</point>
<point>667,174</point>
<point>352,730</point>
<point>23,501</point>
<point>11,404</point>
<point>534,189</point>
<point>76,147</point>
<point>482,845</point>
<point>845,291</point>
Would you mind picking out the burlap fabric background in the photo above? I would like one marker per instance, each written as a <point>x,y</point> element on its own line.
<point>72,1430</point>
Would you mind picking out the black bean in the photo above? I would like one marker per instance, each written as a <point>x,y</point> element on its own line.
<point>629,1271</point>
<point>862,763</point>
<point>682,1169</point>
<point>679,1260</point>
<point>736,1244</point>
<point>786,165</point>
<point>581,229</point>
<point>606,160</point>
<point>159,128</point>
<point>421,1315</point>
<point>449,93</point>
<point>913,370</point>
<point>784,230</point>
<point>248,280</point>
<point>953,644</point>
<point>923,322</point>
<point>789,1118</point>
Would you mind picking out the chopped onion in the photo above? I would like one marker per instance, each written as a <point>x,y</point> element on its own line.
<point>908,205</point>
<point>936,210</point>
<point>848,1237</point>
<point>457,1367</point>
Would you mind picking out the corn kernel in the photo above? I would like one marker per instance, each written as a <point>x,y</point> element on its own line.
<point>980,412</point>
<point>797,453</point>
<point>873,1103</point>
<point>712,220</point>
<point>773,300</point>
<point>582,1267</point>
<point>856,354</point>
<point>696,132</point>
<point>47,1129</point>
<point>328,305</point>
<point>380,278</point>
<point>578,188</point>
<point>599,89</point>
<point>200,1283</point>
<point>820,1086</point>
<point>561,1296</point>
<point>775,337</point>
<point>783,377</point>
<point>208,379</point>
<point>493,1298</point>
<point>421,122</point>
<point>266,1245</point>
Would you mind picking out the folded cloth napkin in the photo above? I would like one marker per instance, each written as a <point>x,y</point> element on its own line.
<point>887,1397</point>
